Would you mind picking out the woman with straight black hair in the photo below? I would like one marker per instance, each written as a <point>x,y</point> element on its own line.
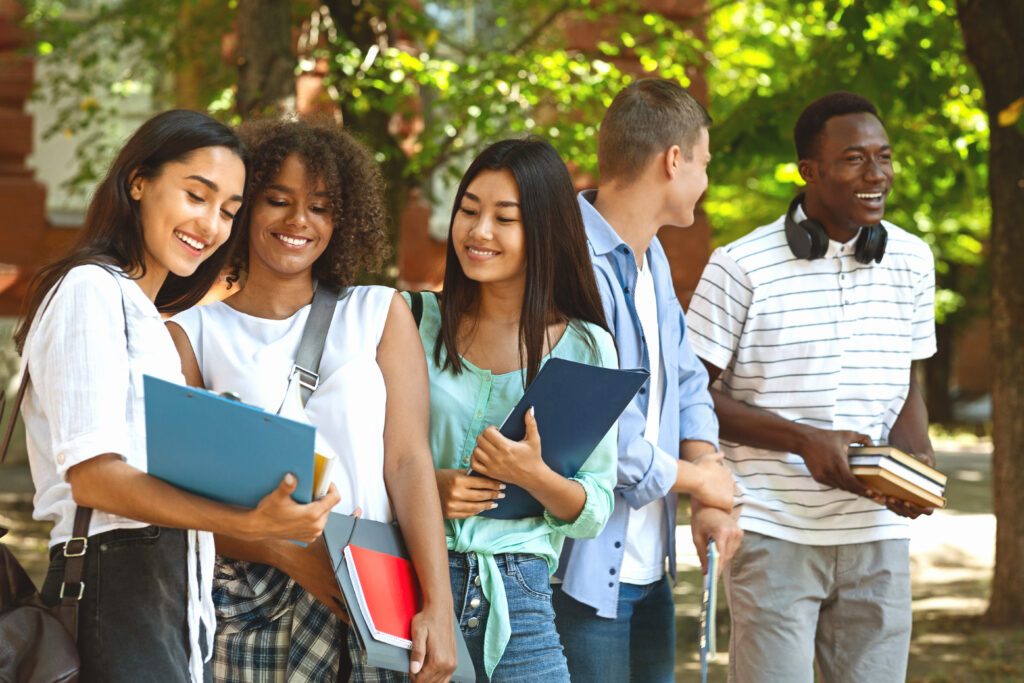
<point>156,235</point>
<point>519,289</point>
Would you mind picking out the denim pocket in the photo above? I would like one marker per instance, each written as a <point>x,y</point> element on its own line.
<point>146,536</point>
<point>531,575</point>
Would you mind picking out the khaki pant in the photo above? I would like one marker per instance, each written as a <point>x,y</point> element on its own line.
<point>848,606</point>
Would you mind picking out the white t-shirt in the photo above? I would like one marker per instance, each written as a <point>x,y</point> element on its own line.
<point>643,562</point>
<point>826,343</point>
<point>253,357</point>
<point>85,398</point>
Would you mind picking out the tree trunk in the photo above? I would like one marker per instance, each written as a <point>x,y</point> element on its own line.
<point>937,372</point>
<point>355,18</point>
<point>266,61</point>
<point>994,35</point>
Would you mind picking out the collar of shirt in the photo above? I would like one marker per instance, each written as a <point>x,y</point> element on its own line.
<point>835,249</point>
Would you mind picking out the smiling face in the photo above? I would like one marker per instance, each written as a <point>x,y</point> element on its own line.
<point>689,180</point>
<point>291,221</point>
<point>850,175</point>
<point>487,232</point>
<point>187,209</point>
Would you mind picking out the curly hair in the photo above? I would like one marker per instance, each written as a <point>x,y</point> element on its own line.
<point>359,243</point>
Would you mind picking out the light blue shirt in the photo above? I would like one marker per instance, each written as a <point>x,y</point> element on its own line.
<point>646,471</point>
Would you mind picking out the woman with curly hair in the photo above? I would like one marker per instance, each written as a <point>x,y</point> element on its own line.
<point>315,217</point>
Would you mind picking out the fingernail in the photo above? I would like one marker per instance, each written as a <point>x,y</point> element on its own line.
<point>289,479</point>
<point>414,667</point>
<point>494,505</point>
<point>502,487</point>
<point>533,413</point>
<point>500,496</point>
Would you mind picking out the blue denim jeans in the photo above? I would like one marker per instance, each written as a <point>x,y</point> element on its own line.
<point>132,623</point>
<point>638,645</point>
<point>534,652</point>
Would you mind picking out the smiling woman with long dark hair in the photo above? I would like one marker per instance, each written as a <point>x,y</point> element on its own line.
<point>518,290</point>
<point>154,239</point>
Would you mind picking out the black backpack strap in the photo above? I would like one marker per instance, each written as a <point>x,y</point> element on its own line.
<point>416,304</point>
<point>314,337</point>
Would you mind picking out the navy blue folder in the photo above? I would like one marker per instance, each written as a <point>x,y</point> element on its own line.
<point>222,449</point>
<point>575,405</point>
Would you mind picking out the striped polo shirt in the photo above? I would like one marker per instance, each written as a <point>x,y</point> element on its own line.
<point>826,343</point>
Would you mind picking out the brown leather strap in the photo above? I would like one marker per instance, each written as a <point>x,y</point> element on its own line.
<point>9,432</point>
<point>73,587</point>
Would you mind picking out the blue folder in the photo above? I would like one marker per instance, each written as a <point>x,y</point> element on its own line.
<point>222,449</point>
<point>575,405</point>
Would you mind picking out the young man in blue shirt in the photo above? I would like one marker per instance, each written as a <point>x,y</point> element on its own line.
<point>615,595</point>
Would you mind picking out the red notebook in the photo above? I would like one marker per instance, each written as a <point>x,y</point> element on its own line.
<point>388,593</point>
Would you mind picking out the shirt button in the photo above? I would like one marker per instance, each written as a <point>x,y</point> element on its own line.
<point>618,544</point>
<point>474,603</point>
<point>476,580</point>
<point>625,250</point>
<point>642,390</point>
<point>473,622</point>
<point>626,290</point>
<point>611,585</point>
<point>612,571</point>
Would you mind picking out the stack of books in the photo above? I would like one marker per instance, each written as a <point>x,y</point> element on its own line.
<point>892,472</point>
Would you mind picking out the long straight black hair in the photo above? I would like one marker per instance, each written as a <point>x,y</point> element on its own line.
<point>112,234</point>
<point>560,284</point>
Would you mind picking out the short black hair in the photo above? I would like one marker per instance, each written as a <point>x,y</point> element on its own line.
<point>814,117</point>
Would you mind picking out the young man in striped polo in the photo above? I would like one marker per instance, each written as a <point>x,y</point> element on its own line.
<point>810,325</point>
<point>614,607</point>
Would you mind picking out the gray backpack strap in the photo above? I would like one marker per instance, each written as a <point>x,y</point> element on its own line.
<point>314,337</point>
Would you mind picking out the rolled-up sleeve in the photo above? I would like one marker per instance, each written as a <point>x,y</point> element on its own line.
<point>597,476</point>
<point>78,360</point>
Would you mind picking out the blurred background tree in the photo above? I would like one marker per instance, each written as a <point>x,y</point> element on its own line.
<point>426,82</point>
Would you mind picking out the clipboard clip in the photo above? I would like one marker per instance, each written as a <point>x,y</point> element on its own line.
<point>307,378</point>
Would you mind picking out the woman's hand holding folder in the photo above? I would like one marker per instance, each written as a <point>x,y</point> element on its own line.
<point>463,496</point>
<point>278,516</point>
<point>520,463</point>
<point>514,462</point>
<point>432,659</point>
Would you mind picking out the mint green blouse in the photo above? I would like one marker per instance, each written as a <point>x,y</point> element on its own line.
<point>462,406</point>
